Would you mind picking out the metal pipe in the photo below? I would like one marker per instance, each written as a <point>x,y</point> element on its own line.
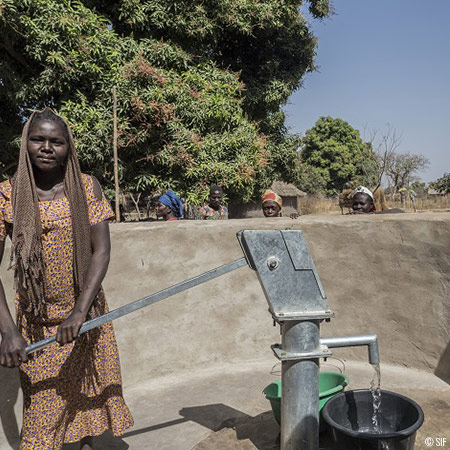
<point>371,340</point>
<point>146,301</point>
<point>300,387</point>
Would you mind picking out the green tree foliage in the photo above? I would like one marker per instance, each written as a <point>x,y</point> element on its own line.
<point>442,184</point>
<point>419,187</point>
<point>335,154</point>
<point>199,83</point>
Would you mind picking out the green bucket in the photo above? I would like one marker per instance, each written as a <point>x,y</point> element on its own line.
<point>330,383</point>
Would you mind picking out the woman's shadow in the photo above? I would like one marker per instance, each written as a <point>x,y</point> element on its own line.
<point>9,392</point>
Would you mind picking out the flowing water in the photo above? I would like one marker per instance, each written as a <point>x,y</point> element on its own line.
<point>376,397</point>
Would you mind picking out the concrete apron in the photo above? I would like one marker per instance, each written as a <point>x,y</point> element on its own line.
<point>223,408</point>
<point>187,361</point>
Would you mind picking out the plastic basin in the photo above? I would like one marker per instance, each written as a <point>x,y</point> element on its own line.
<point>330,384</point>
<point>349,415</point>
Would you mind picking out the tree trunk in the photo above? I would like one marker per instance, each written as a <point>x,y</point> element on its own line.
<point>115,156</point>
<point>136,204</point>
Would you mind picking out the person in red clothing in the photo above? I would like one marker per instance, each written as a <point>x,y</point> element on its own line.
<point>271,204</point>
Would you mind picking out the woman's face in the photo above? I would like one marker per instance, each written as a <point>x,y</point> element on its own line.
<point>47,145</point>
<point>162,210</point>
<point>362,203</point>
<point>271,208</point>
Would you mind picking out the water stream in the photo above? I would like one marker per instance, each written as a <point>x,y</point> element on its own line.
<point>376,397</point>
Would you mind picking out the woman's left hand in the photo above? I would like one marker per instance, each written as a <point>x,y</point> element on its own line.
<point>69,329</point>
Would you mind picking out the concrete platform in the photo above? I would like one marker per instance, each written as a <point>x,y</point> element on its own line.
<point>223,408</point>
<point>388,275</point>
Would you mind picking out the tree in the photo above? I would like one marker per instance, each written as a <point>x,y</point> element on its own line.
<point>442,184</point>
<point>199,84</point>
<point>401,170</point>
<point>385,143</point>
<point>419,187</point>
<point>335,152</point>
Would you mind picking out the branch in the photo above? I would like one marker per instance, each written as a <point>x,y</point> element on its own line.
<point>136,203</point>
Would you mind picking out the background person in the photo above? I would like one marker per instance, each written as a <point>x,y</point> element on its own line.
<point>214,210</point>
<point>363,201</point>
<point>271,204</point>
<point>412,197</point>
<point>170,206</point>
<point>56,218</point>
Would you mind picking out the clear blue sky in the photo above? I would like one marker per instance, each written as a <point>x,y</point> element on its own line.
<point>383,61</point>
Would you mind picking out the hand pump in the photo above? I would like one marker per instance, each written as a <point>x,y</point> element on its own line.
<point>297,302</point>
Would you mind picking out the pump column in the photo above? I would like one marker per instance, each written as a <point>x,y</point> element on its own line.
<point>298,303</point>
<point>300,387</point>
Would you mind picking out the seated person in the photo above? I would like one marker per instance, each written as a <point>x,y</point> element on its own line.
<point>271,204</point>
<point>169,206</point>
<point>214,209</point>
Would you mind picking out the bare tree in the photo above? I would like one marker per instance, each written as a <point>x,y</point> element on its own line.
<point>401,169</point>
<point>385,143</point>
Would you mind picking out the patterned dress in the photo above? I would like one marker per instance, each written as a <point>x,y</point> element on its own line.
<point>75,390</point>
<point>209,213</point>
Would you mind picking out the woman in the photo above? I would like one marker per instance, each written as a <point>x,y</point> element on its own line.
<point>363,201</point>
<point>56,218</point>
<point>271,204</point>
<point>170,206</point>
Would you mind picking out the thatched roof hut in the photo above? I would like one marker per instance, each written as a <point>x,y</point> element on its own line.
<point>286,190</point>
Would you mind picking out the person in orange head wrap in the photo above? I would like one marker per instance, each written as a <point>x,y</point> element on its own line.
<point>271,204</point>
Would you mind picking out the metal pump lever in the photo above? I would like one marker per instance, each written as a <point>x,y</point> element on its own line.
<point>146,301</point>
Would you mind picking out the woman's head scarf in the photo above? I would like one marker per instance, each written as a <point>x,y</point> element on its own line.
<point>26,252</point>
<point>363,190</point>
<point>174,202</point>
<point>270,195</point>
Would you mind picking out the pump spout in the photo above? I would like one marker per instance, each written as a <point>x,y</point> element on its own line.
<point>371,340</point>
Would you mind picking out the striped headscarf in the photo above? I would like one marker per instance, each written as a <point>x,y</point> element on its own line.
<point>270,195</point>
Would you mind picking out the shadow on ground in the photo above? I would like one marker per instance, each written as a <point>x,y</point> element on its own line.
<point>105,441</point>
<point>238,430</point>
<point>10,385</point>
<point>231,429</point>
<point>261,431</point>
<point>443,368</point>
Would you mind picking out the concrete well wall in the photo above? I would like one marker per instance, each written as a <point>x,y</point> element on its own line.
<point>386,274</point>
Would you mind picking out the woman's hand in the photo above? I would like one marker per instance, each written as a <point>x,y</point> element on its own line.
<point>12,349</point>
<point>69,329</point>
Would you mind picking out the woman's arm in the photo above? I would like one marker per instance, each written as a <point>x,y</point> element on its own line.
<point>12,347</point>
<point>101,248</point>
<point>95,274</point>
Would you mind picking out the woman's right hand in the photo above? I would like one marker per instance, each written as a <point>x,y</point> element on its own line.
<point>12,349</point>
